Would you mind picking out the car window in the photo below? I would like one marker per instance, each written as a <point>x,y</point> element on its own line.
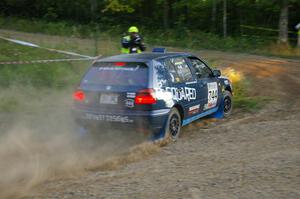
<point>202,71</point>
<point>172,71</point>
<point>110,73</point>
<point>178,69</point>
<point>182,68</point>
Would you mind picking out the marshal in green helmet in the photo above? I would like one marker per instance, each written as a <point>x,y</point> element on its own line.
<point>132,42</point>
<point>133,29</point>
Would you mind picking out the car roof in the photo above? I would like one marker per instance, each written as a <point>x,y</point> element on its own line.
<point>140,57</point>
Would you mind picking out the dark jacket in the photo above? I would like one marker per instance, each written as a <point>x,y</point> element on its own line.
<point>132,44</point>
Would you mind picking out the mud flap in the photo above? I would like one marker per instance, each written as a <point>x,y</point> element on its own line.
<point>220,112</point>
<point>160,134</point>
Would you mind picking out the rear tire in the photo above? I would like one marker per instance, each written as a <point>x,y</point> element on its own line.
<point>173,125</point>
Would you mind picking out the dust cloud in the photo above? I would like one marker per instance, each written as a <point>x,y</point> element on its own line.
<point>40,141</point>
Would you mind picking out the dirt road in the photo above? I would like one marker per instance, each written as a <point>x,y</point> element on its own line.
<point>251,155</point>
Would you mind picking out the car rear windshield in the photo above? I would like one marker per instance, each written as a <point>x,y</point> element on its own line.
<point>117,73</point>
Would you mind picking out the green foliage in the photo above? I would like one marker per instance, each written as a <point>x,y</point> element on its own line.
<point>42,26</point>
<point>191,14</point>
<point>181,37</point>
<point>117,6</point>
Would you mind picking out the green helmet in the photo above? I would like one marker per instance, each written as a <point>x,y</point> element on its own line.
<point>133,29</point>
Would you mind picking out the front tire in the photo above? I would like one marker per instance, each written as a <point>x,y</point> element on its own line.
<point>227,104</point>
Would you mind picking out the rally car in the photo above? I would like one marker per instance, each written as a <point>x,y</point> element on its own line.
<point>158,91</point>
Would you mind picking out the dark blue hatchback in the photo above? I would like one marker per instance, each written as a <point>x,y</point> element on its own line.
<point>159,92</point>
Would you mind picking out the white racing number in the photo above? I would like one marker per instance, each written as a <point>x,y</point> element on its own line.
<point>212,95</point>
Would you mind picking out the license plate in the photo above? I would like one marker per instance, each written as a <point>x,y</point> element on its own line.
<point>109,99</point>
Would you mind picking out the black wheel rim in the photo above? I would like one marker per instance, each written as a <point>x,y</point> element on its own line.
<point>174,125</point>
<point>227,105</point>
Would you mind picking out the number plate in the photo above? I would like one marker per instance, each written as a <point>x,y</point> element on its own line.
<point>109,99</point>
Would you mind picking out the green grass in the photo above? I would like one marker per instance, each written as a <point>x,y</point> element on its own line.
<point>51,28</point>
<point>58,74</point>
<point>251,103</point>
<point>242,99</point>
<point>14,52</point>
<point>50,75</point>
<point>201,40</point>
<point>9,104</point>
<point>183,38</point>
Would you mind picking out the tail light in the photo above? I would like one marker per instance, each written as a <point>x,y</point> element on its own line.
<point>79,96</point>
<point>119,63</point>
<point>145,96</point>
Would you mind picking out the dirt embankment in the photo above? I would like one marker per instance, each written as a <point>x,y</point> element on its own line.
<point>250,155</point>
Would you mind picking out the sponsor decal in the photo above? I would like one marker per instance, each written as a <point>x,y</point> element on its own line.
<point>212,95</point>
<point>179,63</point>
<point>118,68</point>
<point>194,109</point>
<point>130,95</point>
<point>108,118</point>
<point>193,82</point>
<point>205,107</point>
<point>129,103</point>
<point>183,93</point>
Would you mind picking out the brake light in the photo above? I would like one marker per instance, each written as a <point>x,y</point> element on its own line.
<point>79,96</point>
<point>145,96</point>
<point>120,64</point>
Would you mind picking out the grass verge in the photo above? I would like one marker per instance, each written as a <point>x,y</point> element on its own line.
<point>184,38</point>
<point>242,99</point>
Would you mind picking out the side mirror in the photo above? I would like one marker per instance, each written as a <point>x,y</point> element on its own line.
<point>216,73</point>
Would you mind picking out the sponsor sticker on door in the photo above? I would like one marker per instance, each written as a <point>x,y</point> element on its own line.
<point>194,109</point>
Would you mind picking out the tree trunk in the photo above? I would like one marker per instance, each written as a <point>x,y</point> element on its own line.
<point>93,9</point>
<point>214,16</point>
<point>283,22</point>
<point>166,14</point>
<point>224,18</point>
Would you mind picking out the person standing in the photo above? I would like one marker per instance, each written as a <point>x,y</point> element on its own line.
<point>298,33</point>
<point>133,42</point>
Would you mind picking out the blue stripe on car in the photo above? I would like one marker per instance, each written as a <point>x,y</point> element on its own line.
<point>189,120</point>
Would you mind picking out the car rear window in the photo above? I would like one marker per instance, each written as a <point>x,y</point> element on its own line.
<point>117,73</point>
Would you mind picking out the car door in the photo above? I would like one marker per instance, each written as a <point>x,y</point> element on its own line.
<point>209,86</point>
<point>184,85</point>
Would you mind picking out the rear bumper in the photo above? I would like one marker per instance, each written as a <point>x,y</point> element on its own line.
<point>150,120</point>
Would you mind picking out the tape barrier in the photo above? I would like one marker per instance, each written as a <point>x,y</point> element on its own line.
<point>44,61</point>
<point>264,29</point>
<point>25,43</point>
